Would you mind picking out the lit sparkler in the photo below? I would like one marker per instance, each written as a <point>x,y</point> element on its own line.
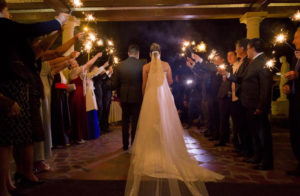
<point>76,3</point>
<point>88,46</point>
<point>186,43</point>
<point>270,64</point>
<point>116,60</point>
<point>201,47</point>
<point>183,49</point>
<point>222,66</point>
<point>92,37</point>
<point>296,16</point>
<point>100,42</point>
<point>193,43</point>
<point>85,29</point>
<point>89,18</point>
<point>282,38</point>
<point>110,43</point>
<point>212,55</point>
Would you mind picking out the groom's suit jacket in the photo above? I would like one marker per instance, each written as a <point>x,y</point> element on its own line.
<point>127,79</point>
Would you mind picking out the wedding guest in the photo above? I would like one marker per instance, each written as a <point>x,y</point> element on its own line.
<point>292,89</point>
<point>106,99</point>
<point>91,104</point>
<point>115,113</point>
<point>256,86</point>
<point>77,100</point>
<point>237,113</point>
<point>18,75</point>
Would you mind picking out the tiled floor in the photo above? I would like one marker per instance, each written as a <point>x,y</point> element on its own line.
<point>104,159</point>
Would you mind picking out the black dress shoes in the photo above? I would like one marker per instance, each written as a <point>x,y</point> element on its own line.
<point>22,181</point>
<point>263,167</point>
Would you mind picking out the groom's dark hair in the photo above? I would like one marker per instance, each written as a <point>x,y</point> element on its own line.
<point>133,49</point>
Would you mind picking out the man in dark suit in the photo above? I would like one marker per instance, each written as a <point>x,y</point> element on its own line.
<point>292,88</point>
<point>243,144</point>
<point>128,78</point>
<point>256,86</point>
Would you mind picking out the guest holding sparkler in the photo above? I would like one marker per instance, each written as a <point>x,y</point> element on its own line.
<point>256,85</point>
<point>292,88</point>
<point>238,115</point>
<point>77,100</point>
<point>18,75</point>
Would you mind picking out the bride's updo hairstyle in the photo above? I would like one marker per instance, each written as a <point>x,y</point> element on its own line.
<point>155,50</point>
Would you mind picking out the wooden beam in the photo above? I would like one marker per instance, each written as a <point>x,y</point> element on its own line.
<point>57,5</point>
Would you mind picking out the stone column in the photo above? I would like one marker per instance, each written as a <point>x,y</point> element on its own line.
<point>67,34</point>
<point>68,31</point>
<point>252,21</point>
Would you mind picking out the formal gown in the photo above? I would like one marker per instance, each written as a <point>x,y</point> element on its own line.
<point>60,113</point>
<point>91,104</point>
<point>42,150</point>
<point>78,112</point>
<point>160,163</point>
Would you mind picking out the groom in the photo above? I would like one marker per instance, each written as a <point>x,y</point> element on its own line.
<point>127,78</point>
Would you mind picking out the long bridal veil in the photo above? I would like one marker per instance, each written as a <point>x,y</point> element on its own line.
<point>160,164</point>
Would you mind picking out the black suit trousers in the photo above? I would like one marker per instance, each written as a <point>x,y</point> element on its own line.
<point>224,112</point>
<point>260,130</point>
<point>241,138</point>
<point>130,112</point>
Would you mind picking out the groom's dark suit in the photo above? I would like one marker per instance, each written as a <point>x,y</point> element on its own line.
<point>128,78</point>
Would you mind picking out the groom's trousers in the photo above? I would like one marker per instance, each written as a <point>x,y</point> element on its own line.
<point>130,112</point>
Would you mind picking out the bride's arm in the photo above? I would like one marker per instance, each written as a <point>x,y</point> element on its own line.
<point>169,75</point>
<point>145,78</point>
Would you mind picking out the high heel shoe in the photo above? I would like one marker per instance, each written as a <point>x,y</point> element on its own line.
<point>22,181</point>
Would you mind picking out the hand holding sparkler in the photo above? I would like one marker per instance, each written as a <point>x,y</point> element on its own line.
<point>297,54</point>
<point>74,54</point>
<point>282,38</point>
<point>197,58</point>
<point>62,18</point>
<point>212,55</point>
<point>190,63</point>
<point>286,89</point>
<point>296,16</point>
<point>292,75</point>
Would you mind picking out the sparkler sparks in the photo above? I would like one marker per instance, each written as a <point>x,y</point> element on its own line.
<point>296,16</point>
<point>201,47</point>
<point>212,55</point>
<point>183,49</point>
<point>90,18</point>
<point>270,64</point>
<point>92,37</point>
<point>280,38</point>
<point>88,46</point>
<point>222,66</point>
<point>186,43</point>
<point>85,29</point>
<point>116,60</point>
<point>76,3</point>
<point>100,42</point>
<point>193,43</point>
<point>110,43</point>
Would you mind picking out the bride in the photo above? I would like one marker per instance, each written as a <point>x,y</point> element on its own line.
<point>160,163</point>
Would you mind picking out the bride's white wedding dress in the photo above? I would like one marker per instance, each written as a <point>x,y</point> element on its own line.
<point>160,164</point>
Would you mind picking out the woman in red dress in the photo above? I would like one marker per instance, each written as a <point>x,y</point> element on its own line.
<point>78,101</point>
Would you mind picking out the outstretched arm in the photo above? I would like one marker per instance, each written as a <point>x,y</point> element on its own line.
<point>51,54</point>
<point>92,61</point>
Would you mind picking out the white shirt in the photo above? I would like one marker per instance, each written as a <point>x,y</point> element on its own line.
<point>257,55</point>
